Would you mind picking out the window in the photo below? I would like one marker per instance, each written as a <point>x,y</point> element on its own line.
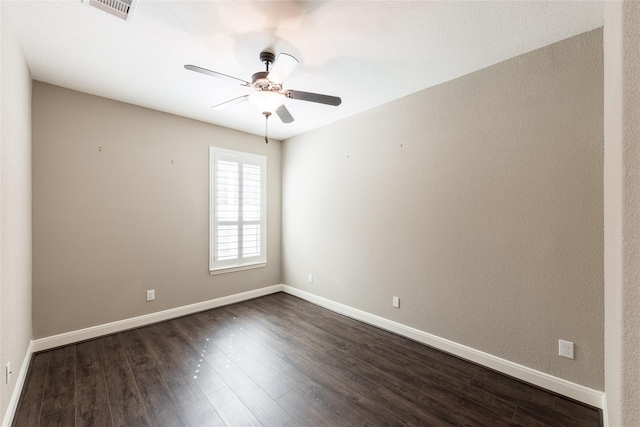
<point>237,229</point>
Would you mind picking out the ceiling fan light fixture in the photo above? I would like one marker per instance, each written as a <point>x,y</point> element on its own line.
<point>267,94</point>
<point>267,102</point>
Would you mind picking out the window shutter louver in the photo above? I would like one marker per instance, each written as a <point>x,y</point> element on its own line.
<point>238,213</point>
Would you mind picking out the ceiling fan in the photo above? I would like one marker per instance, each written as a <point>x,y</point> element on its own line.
<point>268,94</point>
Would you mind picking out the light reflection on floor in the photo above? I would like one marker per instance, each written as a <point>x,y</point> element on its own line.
<point>204,350</point>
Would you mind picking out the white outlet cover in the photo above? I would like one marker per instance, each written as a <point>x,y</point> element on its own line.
<point>565,349</point>
<point>310,278</point>
<point>396,302</point>
<point>151,295</point>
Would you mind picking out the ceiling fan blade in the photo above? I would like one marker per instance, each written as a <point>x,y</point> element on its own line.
<point>231,102</point>
<point>284,114</point>
<point>283,66</point>
<point>313,97</point>
<point>213,73</point>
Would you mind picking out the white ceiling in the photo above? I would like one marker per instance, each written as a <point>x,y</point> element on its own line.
<point>366,52</point>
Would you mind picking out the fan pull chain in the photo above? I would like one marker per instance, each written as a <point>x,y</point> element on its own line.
<point>266,128</point>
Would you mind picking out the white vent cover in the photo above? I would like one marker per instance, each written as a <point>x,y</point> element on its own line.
<point>120,8</point>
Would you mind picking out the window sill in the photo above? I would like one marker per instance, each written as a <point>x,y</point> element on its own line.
<point>223,270</point>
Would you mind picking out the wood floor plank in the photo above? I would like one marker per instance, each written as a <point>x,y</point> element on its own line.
<point>30,404</point>
<point>156,394</point>
<point>63,417</point>
<point>59,390</point>
<point>258,327</point>
<point>238,337</point>
<point>585,416</point>
<point>390,373</point>
<point>178,369</point>
<point>231,409</point>
<point>276,361</point>
<point>465,395</point>
<point>180,348</point>
<point>127,407</point>
<point>196,409</point>
<point>92,407</point>
<point>188,349</point>
<point>191,343</point>
<point>544,417</point>
<point>411,353</point>
<point>157,397</point>
<point>487,419</point>
<point>306,414</point>
<point>265,379</point>
<point>325,354</point>
<point>88,359</point>
<point>263,407</point>
<point>527,396</point>
<point>314,398</point>
<point>148,346</point>
<point>212,324</point>
<point>109,343</point>
<point>253,316</point>
<point>368,396</point>
<point>479,415</point>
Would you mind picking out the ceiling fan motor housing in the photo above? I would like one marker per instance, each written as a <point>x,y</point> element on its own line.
<point>260,81</point>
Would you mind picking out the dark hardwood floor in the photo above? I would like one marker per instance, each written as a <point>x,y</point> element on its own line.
<point>275,361</point>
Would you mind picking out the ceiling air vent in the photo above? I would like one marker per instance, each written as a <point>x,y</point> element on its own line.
<point>120,8</point>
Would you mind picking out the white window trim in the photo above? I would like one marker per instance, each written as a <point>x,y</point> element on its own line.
<point>223,270</point>
<point>249,263</point>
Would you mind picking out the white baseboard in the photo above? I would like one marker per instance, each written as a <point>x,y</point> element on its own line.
<point>605,412</point>
<point>558,385</point>
<point>17,390</point>
<point>136,322</point>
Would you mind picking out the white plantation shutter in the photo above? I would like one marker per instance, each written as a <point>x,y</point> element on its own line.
<point>238,227</point>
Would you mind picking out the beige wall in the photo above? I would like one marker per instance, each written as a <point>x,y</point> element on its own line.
<point>622,207</point>
<point>478,202</point>
<point>15,209</point>
<point>110,224</point>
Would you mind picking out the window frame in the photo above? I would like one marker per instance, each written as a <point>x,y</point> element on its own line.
<point>240,263</point>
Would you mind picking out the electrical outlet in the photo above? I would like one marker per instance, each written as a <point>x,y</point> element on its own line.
<point>151,294</point>
<point>310,278</point>
<point>565,349</point>
<point>396,302</point>
<point>7,373</point>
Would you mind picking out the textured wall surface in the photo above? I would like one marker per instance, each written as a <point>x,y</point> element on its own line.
<point>111,222</point>
<point>622,212</point>
<point>478,202</point>
<point>15,209</point>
